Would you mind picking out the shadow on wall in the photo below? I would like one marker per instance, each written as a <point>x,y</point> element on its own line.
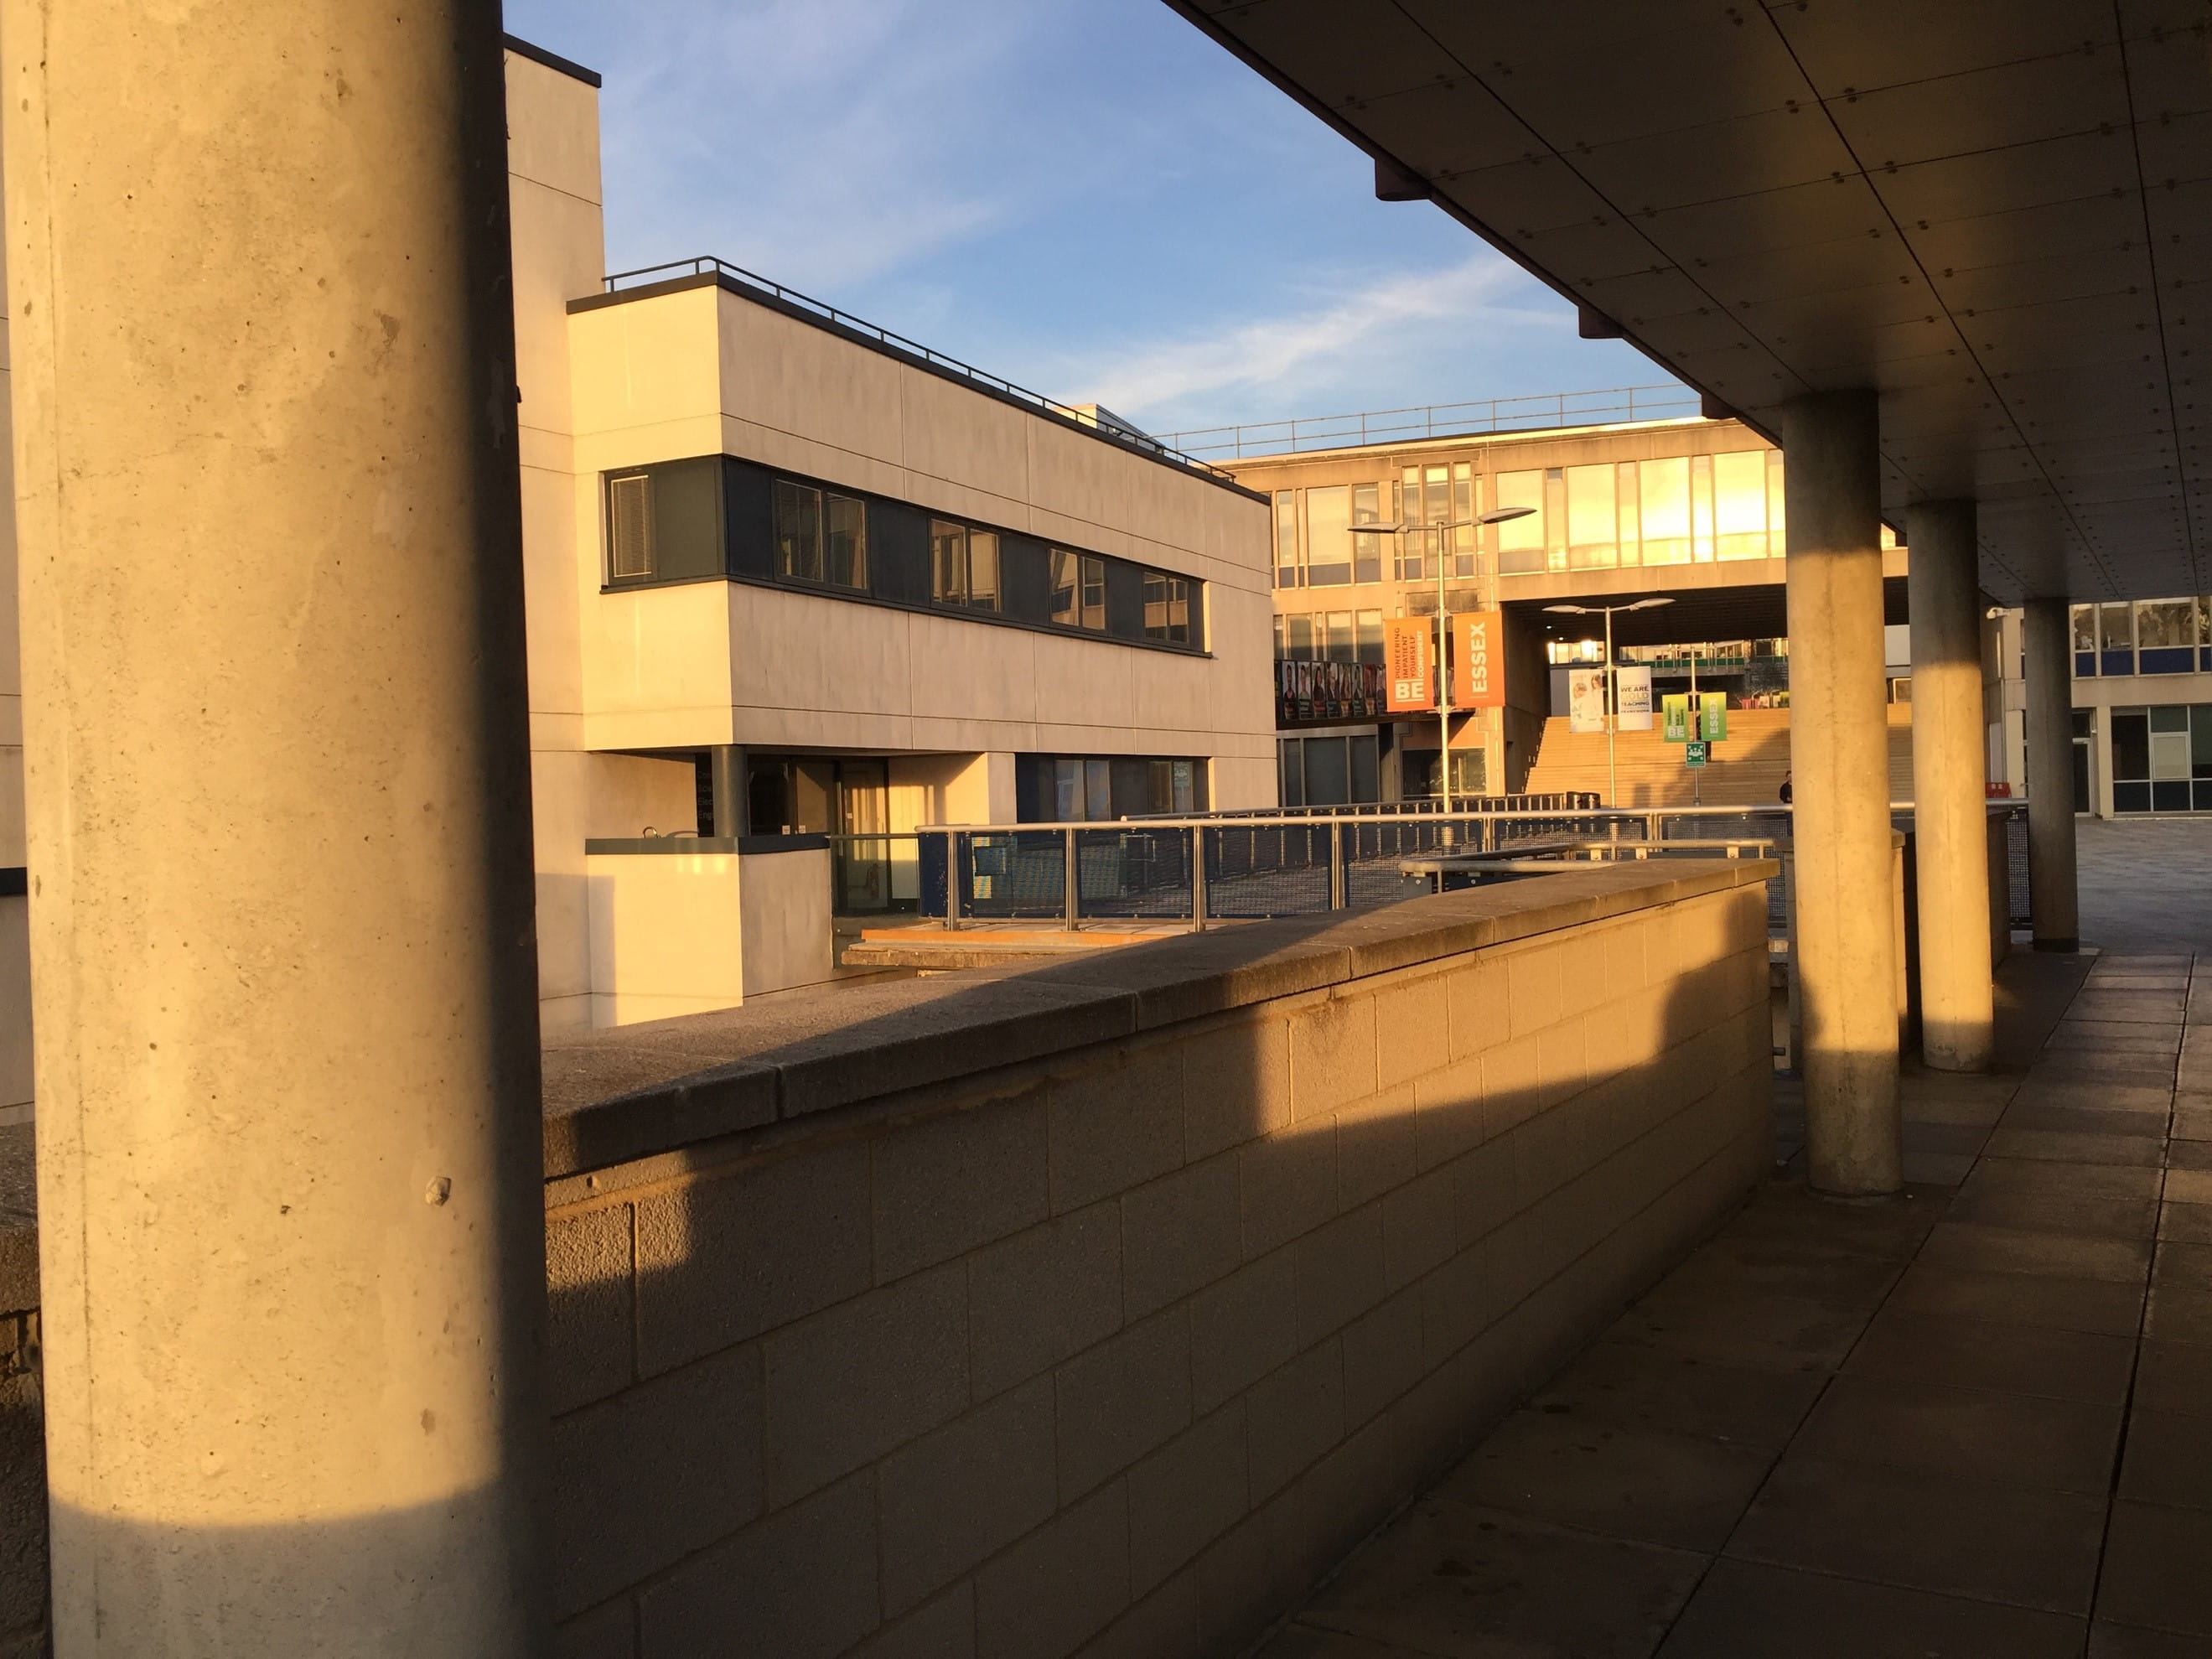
<point>1115,1347</point>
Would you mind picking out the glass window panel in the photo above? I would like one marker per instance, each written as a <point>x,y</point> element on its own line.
<point>1167,608</point>
<point>2084,618</point>
<point>1462,516</point>
<point>2169,717</point>
<point>1094,594</point>
<point>1591,522</point>
<point>1066,569</point>
<point>798,531</point>
<point>1366,770</point>
<point>1291,752</point>
<point>629,528</point>
<point>2169,756</point>
<point>948,562</point>
<point>1286,538</point>
<point>1520,541</point>
<point>1435,492</point>
<point>1097,789</point>
<point>1342,647</point>
<point>1067,791</point>
<point>2130,743</point>
<point>2200,741</point>
<point>1663,491</point>
<point>1632,531</point>
<point>1366,550</point>
<point>982,570</point>
<point>1368,628</point>
<point>1329,772</point>
<point>1302,639</point>
<point>2167,797</point>
<point>1740,504</point>
<point>845,536</point>
<point>2116,623</point>
<point>1555,519</point>
<point>1329,537</point>
<point>2164,622</point>
<point>1701,509</point>
<point>2130,796</point>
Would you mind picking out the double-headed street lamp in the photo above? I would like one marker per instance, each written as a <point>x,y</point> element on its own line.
<point>1496,515</point>
<point>1612,679</point>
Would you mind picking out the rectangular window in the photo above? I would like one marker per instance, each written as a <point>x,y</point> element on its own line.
<point>1592,521</point>
<point>2116,634</point>
<point>1302,638</point>
<point>1291,752</point>
<point>1663,487</point>
<point>1740,504</point>
<point>629,528</point>
<point>982,570</point>
<point>2165,635</point>
<point>1555,519</point>
<point>1462,518</point>
<point>1520,541</point>
<point>1065,573</point>
<point>1366,550</point>
<point>1167,608</point>
<point>798,531</point>
<point>1368,632</point>
<point>1286,538</point>
<point>1329,537</point>
<point>1094,595</point>
<point>845,539</point>
<point>1342,646</point>
<point>948,562</point>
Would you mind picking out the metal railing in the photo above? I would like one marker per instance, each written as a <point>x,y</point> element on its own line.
<point>1612,405</point>
<point>707,263</point>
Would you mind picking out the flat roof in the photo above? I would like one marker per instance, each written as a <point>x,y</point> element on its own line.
<point>707,271</point>
<point>536,54</point>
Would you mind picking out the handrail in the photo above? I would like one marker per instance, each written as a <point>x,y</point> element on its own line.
<point>705,264</point>
<point>1549,409</point>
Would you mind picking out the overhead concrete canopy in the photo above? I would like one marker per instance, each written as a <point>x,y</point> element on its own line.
<point>1996,213</point>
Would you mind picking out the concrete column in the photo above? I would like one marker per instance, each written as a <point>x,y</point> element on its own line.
<point>726,766</point>
<point>2051,893</point>
<point>1950,791</point>
<point>1846,956</point>
<point>289,1167</point>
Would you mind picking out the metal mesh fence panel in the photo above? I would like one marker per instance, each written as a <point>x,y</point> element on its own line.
<point>1266,870</point>
<point>1011,875</point>
<point>1129,871</point>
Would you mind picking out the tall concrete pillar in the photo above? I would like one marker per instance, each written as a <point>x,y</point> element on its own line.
<point>1846,956</point>
<point>2053,895</point>
<point>1950,792</point>
<point>288,1133</point>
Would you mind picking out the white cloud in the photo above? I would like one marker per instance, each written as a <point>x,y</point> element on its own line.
<point>1355,338</point>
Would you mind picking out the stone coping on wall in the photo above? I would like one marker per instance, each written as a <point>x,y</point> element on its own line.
<point>615,1097</point>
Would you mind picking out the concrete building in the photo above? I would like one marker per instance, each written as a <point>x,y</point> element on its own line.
<point>793,576</point>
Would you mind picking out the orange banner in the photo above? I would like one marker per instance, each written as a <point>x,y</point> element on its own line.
<point>1408,646</point>
<point>1479,659</point>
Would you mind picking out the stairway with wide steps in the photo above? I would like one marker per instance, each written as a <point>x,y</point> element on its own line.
<point>1746,770</point>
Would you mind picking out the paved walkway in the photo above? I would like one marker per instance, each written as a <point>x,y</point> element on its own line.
<point>2146,884</point>
<point>1973,1424</point>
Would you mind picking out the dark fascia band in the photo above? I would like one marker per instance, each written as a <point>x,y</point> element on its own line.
<point>522,48</point>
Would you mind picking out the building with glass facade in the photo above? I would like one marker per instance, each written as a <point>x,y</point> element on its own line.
<point>2142,705</point>
<point>1690,510</point>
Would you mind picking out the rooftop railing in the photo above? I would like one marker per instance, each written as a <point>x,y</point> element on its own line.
<point>708,264</point>
<point>1611,406</point>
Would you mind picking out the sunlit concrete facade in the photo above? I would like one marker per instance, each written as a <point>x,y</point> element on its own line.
<point>859,707</point>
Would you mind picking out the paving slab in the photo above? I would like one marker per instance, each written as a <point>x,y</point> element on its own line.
<point>1977,1434</point>
<point>1746,1610</point>
<point>2179,1314</point>
<point>2111,1641</point>
<point>2189,1223</point>
<point>2144,1151</point>
<point>2154,1572</point>
<point>2043,1363</point>
<point>1922,1530</point>
<point>1653,1485</point>
<point>1641,1386</point>
<point>2095,1305</point>
<point>1745,1326</point>
<point>2168,1459</point>
<point>1451,1579</point>
<point>1987,1248</point>
<point>2174,1377</point>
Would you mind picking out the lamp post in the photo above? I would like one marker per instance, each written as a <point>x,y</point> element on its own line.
<point>1495,515</point>
<point>1612,679</point>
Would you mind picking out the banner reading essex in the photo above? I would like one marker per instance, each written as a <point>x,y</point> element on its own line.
<point>1479,659</point>
<point>1407,646</point>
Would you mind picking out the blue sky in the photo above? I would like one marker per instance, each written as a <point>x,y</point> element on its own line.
<point>1087,197</point>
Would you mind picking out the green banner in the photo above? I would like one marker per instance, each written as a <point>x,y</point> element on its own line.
<point>1712,715</point>
<point>1674,716</point>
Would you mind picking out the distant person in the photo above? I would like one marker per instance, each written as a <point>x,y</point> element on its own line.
<point>1786,791</point>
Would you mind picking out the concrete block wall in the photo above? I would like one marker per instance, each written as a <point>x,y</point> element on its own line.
<point>1113,1351</point>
